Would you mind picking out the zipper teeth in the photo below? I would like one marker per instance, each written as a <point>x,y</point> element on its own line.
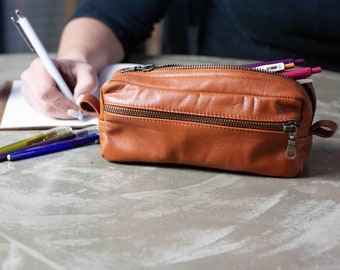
<point>176,66</point>
<point>274,126</point>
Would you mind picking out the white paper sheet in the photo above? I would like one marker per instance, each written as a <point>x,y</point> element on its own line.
<point>19,114</point>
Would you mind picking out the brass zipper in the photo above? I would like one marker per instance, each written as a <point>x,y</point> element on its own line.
<point>174,66</point>
<point>290,127</point>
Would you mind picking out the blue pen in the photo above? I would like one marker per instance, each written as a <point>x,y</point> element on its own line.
<point>3,156</point>
<point>53,148</point>
<point>75,134</point>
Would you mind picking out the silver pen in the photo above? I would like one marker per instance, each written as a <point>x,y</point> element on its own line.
<point>27,32</point>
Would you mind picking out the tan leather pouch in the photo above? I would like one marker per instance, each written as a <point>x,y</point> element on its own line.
<point>221,117</point>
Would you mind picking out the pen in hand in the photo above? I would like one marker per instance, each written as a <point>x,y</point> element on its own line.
<point>27,32</point>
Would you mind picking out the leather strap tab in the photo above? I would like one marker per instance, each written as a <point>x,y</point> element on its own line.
<point>324,128</point>
<point>90,105</point>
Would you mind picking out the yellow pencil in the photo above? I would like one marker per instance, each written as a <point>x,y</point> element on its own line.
<point>45,135</point>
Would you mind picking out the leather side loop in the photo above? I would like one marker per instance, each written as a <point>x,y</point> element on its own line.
<point>90,105</point>
<point>324,128</point>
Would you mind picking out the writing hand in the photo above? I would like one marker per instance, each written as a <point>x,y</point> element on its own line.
<point>42,94</point>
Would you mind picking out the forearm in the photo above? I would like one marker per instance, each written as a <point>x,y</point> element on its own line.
<point>88,40</point>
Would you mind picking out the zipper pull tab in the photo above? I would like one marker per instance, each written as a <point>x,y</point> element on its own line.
<point>291,128</point>
<point>143,68</point>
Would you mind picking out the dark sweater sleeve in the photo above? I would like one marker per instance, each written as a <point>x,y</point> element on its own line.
<point>131,20</point>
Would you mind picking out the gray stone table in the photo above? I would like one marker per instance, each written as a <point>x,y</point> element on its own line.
<point>74,210</point>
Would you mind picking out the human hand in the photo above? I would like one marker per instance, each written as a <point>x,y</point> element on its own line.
<point>41,91</point>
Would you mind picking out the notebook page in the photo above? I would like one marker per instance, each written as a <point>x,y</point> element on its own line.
<point>19,114</point>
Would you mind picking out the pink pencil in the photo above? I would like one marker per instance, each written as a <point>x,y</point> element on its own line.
<point>301,73</point>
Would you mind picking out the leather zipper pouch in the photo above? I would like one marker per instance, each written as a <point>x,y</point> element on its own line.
<point>223,117</point>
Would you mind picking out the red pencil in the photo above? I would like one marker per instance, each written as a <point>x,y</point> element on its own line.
<point>301,73</point>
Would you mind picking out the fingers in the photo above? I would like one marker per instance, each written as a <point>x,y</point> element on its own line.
<point>43,95</point>
<point>85,76</point>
